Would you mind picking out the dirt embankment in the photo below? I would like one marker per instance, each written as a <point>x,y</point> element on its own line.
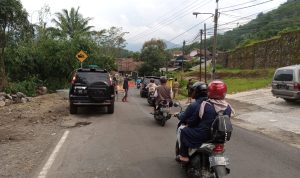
<point>23,131</point>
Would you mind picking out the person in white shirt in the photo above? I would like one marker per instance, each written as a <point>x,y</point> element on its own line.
<point>151,86</point>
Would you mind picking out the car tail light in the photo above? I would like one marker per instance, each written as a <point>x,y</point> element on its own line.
<point>219,148</point>
<point>73,79</point>
<point>296,86</point>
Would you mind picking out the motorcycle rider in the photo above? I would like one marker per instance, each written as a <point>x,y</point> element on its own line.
<point>198,129</point>
<point>190,115</point>
<point>163,92</point>
<point>151,86</point>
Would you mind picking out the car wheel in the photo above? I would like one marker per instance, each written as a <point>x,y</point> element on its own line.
<point>73,109</point>
<point>111,108</point>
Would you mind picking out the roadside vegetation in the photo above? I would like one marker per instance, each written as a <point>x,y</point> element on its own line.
<point>41,54</point>
<point>237,80</point>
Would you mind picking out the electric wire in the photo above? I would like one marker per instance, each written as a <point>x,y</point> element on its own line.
<point>164,25</point>
<point>247,6</point>
<point>237,4</point>
<point>167,18</point>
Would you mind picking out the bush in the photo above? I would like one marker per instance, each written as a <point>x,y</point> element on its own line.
<point>28,87</point>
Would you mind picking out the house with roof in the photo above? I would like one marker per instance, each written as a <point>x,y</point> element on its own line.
<point>128,65</point>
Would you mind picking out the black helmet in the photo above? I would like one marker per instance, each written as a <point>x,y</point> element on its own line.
<point>199,90</point>
<point>163,80</point>
<point>151,80</point>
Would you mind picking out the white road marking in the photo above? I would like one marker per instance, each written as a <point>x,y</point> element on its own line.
<point>53,155</point>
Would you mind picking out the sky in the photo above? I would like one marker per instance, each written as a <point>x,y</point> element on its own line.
<point>170,20</point>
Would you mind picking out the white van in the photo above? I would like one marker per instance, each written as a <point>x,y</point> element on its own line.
<point>286,83</point>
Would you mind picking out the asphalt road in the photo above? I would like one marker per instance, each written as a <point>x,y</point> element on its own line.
<point>131,144</point>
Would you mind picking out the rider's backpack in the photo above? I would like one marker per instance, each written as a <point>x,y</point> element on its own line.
<point>221,128</point>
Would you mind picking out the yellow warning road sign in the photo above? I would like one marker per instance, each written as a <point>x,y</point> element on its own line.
<point>81,56</point>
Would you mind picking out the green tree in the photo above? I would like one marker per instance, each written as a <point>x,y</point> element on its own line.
<point>13,19</point>
<point>72,24</point>
<point>111,40</point>
<point>153,54</point>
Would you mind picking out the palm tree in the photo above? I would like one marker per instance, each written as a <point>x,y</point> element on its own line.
<point>72,24</point>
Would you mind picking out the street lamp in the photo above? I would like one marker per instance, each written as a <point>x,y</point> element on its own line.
<point>201,33</point>
<point>216,14</point>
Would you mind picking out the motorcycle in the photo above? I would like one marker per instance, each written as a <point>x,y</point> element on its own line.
<point>162,112</point>
<point>151,98</point>
<point>138,85</point>
<point>207,161</point>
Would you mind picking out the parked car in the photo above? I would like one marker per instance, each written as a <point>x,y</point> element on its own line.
<point>91,87</point>
<point>286,83</point>
<point>145,82</point>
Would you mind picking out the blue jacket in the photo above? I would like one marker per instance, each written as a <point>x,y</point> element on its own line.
<point>198,130</point>
<point>190,115</point>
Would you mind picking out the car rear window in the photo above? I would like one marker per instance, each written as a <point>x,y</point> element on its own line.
<point>147,81</point>
<point>91,77</point>
<point>284,75</point>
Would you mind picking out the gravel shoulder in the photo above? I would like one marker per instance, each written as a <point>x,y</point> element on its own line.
<point>262,120</point>
<point>28,131</point>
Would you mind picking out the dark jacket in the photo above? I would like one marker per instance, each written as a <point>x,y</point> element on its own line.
<point>199,131</point>
<point>125,84</point>
<point>191,115</point>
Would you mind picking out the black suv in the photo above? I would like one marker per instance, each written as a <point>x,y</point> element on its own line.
<point>145,82</point>
<point>91,87</point>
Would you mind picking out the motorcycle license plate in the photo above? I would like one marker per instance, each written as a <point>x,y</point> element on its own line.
<point>218,161</point>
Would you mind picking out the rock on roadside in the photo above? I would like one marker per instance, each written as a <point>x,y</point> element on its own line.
<point>7,99</point>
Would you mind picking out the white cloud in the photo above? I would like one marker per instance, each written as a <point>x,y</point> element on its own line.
<point>143,16</point>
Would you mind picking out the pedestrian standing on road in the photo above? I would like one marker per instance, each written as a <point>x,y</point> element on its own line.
<point>189,89</point>
<point>125,87</point>
<point>175,88</point>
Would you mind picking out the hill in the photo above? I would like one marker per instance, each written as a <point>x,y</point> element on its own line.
<point>286,17</point>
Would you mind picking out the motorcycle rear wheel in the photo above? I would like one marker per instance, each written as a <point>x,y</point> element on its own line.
<point>162,123</point>
<point>220,171</point>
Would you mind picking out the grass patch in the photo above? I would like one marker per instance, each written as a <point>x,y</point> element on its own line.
<point>243,84</point>
<point>237,80</point>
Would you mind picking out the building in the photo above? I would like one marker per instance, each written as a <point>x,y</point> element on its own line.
<point>128,65</point>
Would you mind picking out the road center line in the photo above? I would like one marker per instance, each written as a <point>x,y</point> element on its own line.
<point>53,155</point>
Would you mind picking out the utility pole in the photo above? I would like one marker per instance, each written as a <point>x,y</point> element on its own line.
<point>200,46</point>
<point>182,61</point>
<point>215,41</point>
<point>205,78</point>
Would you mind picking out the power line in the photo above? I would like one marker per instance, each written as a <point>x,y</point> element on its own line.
<point>238,4</point>
<point>168,18</point>
<point>164,17</point>
<point>188,29</point>
<point>167,23</point>
<point>248,6</point>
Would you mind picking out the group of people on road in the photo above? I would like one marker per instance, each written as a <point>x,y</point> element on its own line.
<point>195,122</point>
<point>125,86</point>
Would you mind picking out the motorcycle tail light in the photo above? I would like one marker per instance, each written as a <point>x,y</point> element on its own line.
<point>219,148</point>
